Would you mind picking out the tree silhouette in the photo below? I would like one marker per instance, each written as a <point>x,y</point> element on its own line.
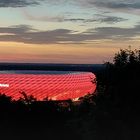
<point>126,56</point>
<point>121,58</point>
<point>27,99</point>
<point>122,80</point>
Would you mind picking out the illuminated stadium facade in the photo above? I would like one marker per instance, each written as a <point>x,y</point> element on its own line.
<point>53,85</point>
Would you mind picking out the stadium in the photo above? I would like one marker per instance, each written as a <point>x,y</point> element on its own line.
<point>51,85</point>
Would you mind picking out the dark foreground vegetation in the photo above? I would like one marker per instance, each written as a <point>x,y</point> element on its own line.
<point>113,113</point>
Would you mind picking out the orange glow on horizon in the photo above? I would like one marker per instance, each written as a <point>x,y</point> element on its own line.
<point>58,53</point>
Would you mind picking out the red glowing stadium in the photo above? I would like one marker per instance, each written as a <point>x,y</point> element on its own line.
<point>54,85</point>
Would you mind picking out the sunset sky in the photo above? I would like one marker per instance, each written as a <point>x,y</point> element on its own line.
<point>67,31</point>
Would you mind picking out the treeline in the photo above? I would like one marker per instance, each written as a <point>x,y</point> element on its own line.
<point>28,107</point>
<point>119,84</point>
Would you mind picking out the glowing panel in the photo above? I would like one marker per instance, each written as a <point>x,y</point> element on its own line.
<point>51,85</point>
